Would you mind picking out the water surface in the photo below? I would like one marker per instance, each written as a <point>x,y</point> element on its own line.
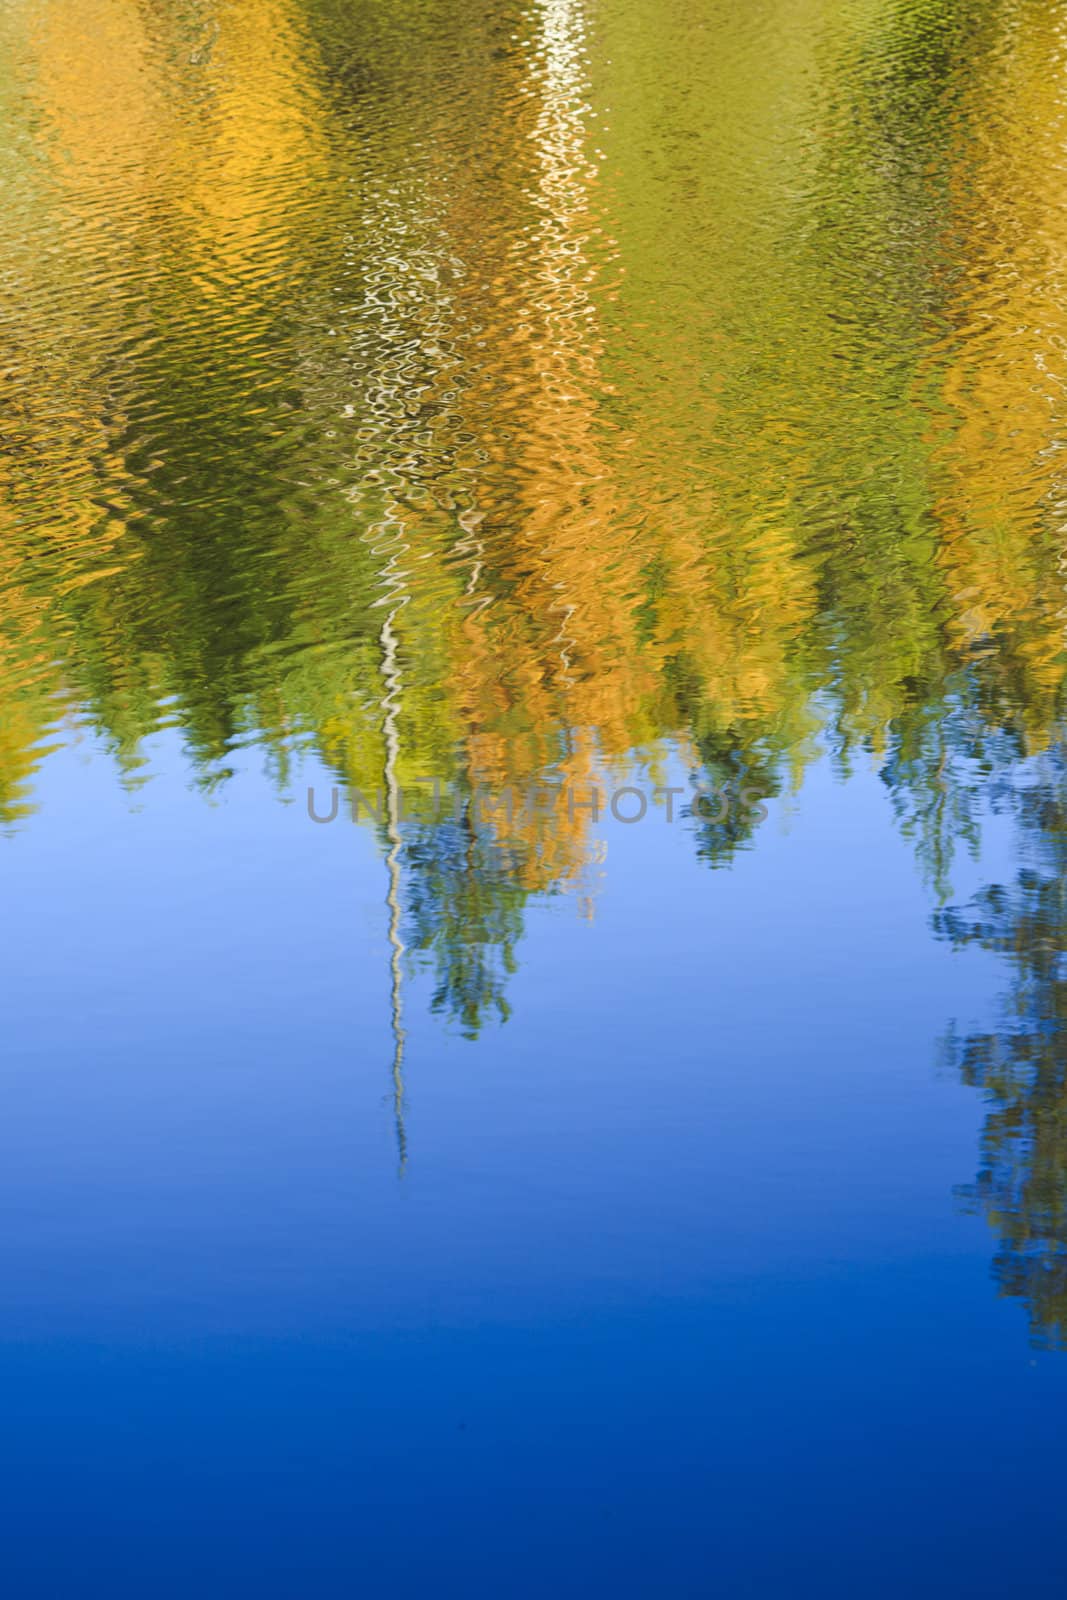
<point>532,591</point>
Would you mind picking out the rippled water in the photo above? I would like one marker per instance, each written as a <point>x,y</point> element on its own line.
<point>532,588</point>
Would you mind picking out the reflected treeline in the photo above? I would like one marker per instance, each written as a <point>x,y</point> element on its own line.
<point>422,386</point>
<point>1021,1067</point>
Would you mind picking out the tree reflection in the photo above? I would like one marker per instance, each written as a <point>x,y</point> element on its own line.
<point>1021,1067</point>
<point>689,430</point>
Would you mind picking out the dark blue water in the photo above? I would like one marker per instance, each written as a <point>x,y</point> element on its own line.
<point>671,1296</point>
